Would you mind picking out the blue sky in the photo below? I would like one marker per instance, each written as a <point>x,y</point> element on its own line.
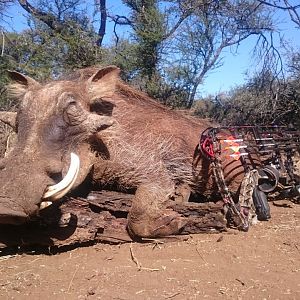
<point>233,71</point>
<point>235,62</point>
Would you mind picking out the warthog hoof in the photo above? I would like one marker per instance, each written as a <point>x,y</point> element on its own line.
<point>167,223</point>
<point>149,217</point>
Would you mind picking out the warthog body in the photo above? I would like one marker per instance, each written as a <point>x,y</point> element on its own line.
<point>123,139</point>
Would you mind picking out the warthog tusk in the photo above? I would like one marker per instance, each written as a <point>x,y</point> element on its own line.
<point>45,204</point>
<point>58,190</point>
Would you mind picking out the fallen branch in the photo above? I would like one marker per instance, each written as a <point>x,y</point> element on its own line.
<point>101,217</point>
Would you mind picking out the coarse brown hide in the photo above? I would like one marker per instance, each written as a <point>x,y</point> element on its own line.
<point>148,148</point>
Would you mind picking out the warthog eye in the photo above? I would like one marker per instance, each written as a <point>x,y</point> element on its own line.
<point>55,131</point>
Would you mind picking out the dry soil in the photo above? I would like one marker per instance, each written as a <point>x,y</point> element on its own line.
<point>263,263</point>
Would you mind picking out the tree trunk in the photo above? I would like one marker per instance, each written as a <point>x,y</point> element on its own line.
<point>102,29</point>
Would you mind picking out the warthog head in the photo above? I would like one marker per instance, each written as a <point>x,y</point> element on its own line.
<point>55,125</point>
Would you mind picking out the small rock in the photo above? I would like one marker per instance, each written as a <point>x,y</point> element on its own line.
<point>91,291</point>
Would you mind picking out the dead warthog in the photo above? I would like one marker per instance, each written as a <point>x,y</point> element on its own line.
<point>90,123</point>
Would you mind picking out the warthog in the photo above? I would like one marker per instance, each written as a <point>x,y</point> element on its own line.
<point>91,123</point>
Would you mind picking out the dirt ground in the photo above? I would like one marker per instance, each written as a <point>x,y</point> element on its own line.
<point>261,264</point>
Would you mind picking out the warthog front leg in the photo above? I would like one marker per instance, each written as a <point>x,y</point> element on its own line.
<point>149,216</point>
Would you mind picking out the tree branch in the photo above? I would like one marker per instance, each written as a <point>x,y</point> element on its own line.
<point>178,23</point>
<point>286,7</point>
<point>292,9</point>
<point>120,20</point>
<point>48,18</point>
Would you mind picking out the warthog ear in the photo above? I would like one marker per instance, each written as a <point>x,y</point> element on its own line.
<point>8,118</point>
<point>103,82</point>
<point>20,78</point>
<point>20,85</point>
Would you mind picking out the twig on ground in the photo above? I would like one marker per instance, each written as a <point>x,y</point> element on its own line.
<point>134,259</point>
<point>220,239</point>
<point>150,269</point>
<point>172,296</point>
<point>69,287</point>
<point>200,255</point>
